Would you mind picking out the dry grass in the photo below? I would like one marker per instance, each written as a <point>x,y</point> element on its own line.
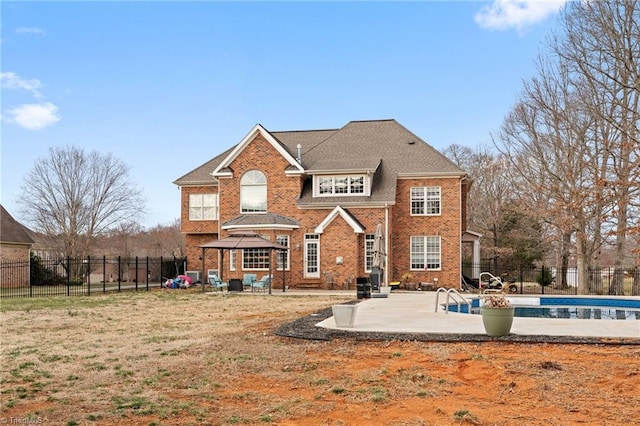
<point>146,354</point>
<point>179,357</point>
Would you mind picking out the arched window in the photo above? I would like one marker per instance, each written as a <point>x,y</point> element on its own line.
<point>253,192</point>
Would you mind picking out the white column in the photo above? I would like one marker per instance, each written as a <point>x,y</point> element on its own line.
<point>476,259</point>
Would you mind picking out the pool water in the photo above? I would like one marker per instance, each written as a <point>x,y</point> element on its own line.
<point>568,307</point>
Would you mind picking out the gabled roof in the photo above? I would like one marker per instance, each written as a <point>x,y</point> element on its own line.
<point>11,231</point>
<point>382,148</point>
<point>257,129</point>
<point>243,241</point>
<point>344,214</point>
<point>201,175</point>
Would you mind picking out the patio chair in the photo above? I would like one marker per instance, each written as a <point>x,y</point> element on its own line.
<point>263,284</point>
<point>248,280</point>
<point>217,283</point>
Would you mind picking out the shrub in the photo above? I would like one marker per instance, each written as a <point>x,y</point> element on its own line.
<point>545,277</point>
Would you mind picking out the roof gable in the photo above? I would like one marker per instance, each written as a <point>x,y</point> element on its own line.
<point>257,129</point>
<point>344,214</point>
<point>11,231</point>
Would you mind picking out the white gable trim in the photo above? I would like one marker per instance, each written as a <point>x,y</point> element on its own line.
<point>258,129</point>
<point>339,211</point>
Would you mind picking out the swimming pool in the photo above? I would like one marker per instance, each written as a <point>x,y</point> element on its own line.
<point>567,307</point>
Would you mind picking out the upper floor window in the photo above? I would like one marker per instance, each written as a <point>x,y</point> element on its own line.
<point>341,185</point>
<point>425,253</point>
<point>203,206</point>
<point>425,200</point>
<point>253,192</point>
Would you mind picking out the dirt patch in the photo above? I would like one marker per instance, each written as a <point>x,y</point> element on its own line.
<point>172,357</point>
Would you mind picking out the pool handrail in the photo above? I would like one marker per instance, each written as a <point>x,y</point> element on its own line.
<point>455,295</point>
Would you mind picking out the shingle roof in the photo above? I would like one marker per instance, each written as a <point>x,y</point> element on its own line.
<point>261,219</point>
<point>12,231</point>
<point>201,175</point>
<point>383,146</point>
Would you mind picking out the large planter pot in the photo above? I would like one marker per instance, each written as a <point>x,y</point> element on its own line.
<point>344,315</point>
<point>497,321</point>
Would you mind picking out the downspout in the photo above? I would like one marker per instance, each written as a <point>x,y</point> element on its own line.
<point>460,236</point>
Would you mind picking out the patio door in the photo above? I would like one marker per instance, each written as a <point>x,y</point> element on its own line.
<point>312,256</point>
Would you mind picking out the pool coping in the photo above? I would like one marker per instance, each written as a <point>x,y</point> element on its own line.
<point>412,316</point>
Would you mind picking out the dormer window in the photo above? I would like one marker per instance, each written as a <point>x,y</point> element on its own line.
<point>253,192</point>
<point>340,185</point>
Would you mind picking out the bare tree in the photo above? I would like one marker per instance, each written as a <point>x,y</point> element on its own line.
<point>73,196</point>
<point>573,137</point>
<point>166,240</point>
<point>602,48</point>
<point>495,210</point>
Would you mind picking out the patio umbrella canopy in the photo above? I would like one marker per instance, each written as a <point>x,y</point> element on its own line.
<point>242,241</point>
<point>378,260</point>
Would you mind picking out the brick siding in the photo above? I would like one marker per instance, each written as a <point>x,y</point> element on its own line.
<point>339,238</point>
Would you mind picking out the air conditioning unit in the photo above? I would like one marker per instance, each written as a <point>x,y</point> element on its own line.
<point>195,276</point>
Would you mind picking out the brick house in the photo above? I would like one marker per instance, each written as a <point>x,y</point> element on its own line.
<point>15,251</point>
<point>322,193</point>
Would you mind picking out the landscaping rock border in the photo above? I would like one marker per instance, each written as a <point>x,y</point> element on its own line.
<point>305,328</point>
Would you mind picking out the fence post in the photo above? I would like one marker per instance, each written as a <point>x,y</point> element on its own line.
<point>521,276</point>
<point>68,275</point>
<point>148,273</point>
<point>136,273</point>
<point>542,279</point>
<point>119,271</point>
<point>104,273</point>
<point>88,275</point>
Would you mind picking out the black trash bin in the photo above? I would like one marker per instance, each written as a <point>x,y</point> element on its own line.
<point>376,278</point>
<point>235,284</point>
<point>363,288</point>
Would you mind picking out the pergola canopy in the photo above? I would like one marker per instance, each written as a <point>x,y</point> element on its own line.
<point>243,241</point>
<point>249,240</point>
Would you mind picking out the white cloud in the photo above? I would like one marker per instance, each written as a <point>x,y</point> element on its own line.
<point>11,80</point>
<point>31,30</point>
<point>518,14</point>
<point>34,116</point>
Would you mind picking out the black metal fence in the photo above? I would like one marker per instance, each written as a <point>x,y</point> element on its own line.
<point>550,280</point>
<point>82,277</point>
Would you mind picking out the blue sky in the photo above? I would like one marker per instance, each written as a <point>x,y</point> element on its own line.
<point>165,86</point>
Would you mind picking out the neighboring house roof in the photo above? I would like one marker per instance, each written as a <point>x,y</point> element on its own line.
<point>383,148</point>
<point>11,231</point>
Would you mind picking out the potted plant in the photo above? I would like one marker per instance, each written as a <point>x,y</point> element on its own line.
<point>406,279</point>
<point>497,315</point>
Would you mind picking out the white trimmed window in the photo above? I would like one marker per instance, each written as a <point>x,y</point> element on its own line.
<point>256,259</point>
<point>368,251</point>
<point>284,241</point>
<point>203,207</point>
<point>340,185</point>
<point>425,253</point>
<point>425,201</point>
<point>232,260</point>
<point>253,192</point>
